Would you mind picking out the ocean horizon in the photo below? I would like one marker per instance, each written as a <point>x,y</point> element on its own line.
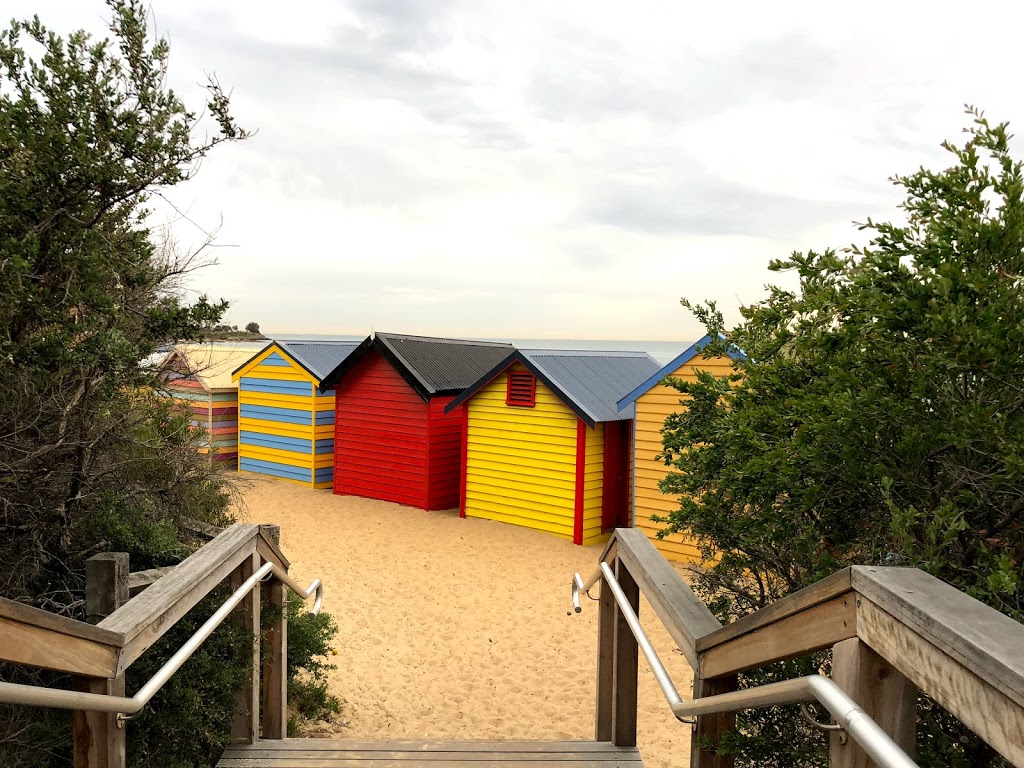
<point>662,351</point>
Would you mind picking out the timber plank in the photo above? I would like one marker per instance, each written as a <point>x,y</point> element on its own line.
<point>812,629</point>
<point>269,549</point>
<point>44,620</point>
<point>977,636</point>
<point>830,587</point>
<point>39,638</point>
<point>431,756</point>
<point>982,707</point>
<point>683,613</point>
<point>139,580</point>
<point>605,662</point>
<point>407,753</point>
<point>417,760</point>
<point>422,745</point>
<point>145,618</point>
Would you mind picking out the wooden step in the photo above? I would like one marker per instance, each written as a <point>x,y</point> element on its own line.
<point>331,753</point>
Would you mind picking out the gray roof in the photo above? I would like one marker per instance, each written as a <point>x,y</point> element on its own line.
<point>318,357</point>
<point>594,381</point>
<point>589,382</point>
<point>443,365</point>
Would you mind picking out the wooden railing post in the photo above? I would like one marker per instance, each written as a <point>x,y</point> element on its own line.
<point>709,728</point>
<point>98,741</point>
<point>245,728</point>
<point>275,668</point>
<point>617,664</point>
<point>605,664</point>
<point>888,697</point>
<point>625,658</point>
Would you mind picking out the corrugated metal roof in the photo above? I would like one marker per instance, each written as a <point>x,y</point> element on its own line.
<point>594,381</point>
<point>318,357</point>
<point>211,364</point>
<point>587,381</point>
<point>444,365</point>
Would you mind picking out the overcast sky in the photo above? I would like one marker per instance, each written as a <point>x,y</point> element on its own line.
<point>555,169</point>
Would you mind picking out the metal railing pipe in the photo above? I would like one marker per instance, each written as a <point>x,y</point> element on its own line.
<point>668,689</point>
<point>37,696</point>
<point>578,586</point>
<point>31,695</point>
<point>173,664</point>
<point>845,711</point>
<point>316,588</point>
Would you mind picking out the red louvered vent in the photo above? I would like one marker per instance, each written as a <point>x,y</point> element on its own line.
<point>522,389</point>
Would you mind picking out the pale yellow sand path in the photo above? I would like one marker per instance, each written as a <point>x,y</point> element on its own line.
<point>456,628</point>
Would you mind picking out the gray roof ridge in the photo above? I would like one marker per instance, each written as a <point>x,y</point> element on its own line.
<point>585,352</point>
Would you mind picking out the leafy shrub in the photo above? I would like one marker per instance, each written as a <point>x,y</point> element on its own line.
<point>877,419</point>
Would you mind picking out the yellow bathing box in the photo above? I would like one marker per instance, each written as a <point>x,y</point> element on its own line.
<point>653,402</point>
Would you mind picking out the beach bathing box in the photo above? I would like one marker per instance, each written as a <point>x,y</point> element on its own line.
<point>285,424</point>
<point>198,377</point>
<point>652,402</point>
<point>545,446</point>
<point>392,438</point>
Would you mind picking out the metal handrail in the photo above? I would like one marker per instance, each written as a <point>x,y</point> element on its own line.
<point>125,707</point>
<point>845,711</point>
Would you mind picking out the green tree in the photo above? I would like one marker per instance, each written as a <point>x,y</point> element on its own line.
<point>90,458</point>
<point>878,418</point>
<point>252,327</point>
<point>88,134</point>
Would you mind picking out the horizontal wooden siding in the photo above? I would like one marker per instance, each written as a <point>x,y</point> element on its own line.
<point>521,462</point>
<point>652,408</point>
<point>285,426</point>
<point>380,435</point>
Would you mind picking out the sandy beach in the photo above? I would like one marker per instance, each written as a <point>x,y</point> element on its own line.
<point>453,628</point>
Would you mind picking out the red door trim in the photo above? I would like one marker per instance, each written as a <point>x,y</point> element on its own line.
<point>581,477</point>
<point>465,459</point>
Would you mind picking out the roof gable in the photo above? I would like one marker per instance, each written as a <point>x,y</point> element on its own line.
<point>260,357</point>
<point>586,381</point>
<point>431,366</point>
<point>316,358</point>
<point>671,367</point>
<point>209,364</point>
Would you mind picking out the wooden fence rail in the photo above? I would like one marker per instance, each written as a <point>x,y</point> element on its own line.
<point>121,628</point>
<point>892,631</point>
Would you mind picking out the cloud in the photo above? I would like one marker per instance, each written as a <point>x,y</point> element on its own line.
<point>552,169</point>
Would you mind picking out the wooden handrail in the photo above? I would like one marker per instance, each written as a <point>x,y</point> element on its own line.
<point>830,587</point>
<point>39,638</point>
<point>145,618</point>
<point>961,652</point>
<point>684,615</point>
<point>976,636</point>
<point>97,656</point>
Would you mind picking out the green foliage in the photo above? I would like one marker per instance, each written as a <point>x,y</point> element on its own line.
<point>188,723</point>
<point>309,647</point>
<point>878,418</point>
<point>252,327</point>
<point>90,460</point>
<point>88,134</point>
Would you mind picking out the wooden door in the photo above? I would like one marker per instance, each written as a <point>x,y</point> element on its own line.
<point>615,501</point>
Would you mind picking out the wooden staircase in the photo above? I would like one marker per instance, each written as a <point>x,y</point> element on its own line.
<point>326,753</point>
<point>891,631</point>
